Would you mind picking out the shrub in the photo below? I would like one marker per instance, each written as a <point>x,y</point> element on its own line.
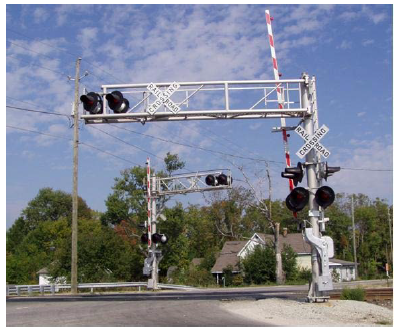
<point>305,274</point>
<point>228,275</point>
<point>260,266</point>
<point>289,263</point>
<point>238,280</point>
<point>355,294</point>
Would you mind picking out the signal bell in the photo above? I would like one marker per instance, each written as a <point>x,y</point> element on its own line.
<point>325,196</point>
<point>117,102</point>
<point>92,103</point>
<point>297,199</point>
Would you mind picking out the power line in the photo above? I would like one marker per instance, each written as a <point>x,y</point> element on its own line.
<point>136,147</point>
<point>158,138</point>
<point>367,169</point>
<point>29,49</point>
<point>44,112</point>
<point>130,144</point>
<point>32,64</point>
<point>69,139</point>
<point>198,147</point>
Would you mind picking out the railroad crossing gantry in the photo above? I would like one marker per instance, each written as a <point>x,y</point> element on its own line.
<point>227,100</point>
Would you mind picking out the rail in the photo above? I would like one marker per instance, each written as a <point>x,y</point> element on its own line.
<point>371,294</point>
<point>42,289</point>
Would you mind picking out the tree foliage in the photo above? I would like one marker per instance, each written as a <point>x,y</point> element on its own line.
<point>260,265</point>
<point>110,248</point>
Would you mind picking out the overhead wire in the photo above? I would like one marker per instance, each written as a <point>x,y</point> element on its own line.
<point>69,139</point>
<point>196,147</point>
<point>136,147</point>
<point>169,141</point>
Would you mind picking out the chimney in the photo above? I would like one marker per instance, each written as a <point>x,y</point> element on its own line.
<point>285,231</point>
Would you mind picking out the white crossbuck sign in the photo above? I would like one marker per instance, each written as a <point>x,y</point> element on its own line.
<point>163,98</point>
<point>312,142</point>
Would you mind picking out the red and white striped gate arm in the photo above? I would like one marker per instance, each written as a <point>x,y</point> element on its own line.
<point>279,97</point>
<point>149,204</point>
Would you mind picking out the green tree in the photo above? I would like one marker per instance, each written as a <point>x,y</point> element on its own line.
<point>103,255</point>
<point>173,163</point>
<point>260,265</point>
<point>48,205</point>
<point>290,268</point>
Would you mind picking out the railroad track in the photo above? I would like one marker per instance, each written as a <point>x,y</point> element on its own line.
<point>371,294</point>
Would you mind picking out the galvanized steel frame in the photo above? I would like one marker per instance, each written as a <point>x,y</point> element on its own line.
<point>268,102</point>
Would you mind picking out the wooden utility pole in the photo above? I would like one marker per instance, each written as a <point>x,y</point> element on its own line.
<point>354,239</point>
<point>75,178</point>
<point>390,233</point>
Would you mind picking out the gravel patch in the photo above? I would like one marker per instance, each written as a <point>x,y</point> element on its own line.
<point>294,313</point>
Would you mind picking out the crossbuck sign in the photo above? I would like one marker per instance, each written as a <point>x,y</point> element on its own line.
<point>312,142</point>
<point>163,98</point>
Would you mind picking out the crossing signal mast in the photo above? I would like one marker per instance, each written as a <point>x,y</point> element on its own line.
<point>168,186</point>
<point>263,99</point>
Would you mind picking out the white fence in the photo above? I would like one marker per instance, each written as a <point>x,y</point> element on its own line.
<point>30,289</point>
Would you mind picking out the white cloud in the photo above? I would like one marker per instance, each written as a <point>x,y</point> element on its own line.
<point>367,11</point>
<point>360,114</point>
<point>368,42</point>
<point>40,15</point>
<point>345,45</point>
<point>365,155</point>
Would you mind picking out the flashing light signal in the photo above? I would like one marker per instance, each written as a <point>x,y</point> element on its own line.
<point>325,196</point>
<point>220,180</point>
<point>117,102</point>
<point>92,103</point>
<point>297,199</point>
<point>159,238</point>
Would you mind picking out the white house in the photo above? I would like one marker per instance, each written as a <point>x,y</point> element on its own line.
<point>45,279</point>
<point>233,251</point>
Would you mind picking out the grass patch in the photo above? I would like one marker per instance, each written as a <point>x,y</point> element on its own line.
<point>384,322</point>
<point>354,294</point>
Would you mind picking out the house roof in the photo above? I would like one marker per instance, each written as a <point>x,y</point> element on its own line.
<point>44,270</point>
<point>228,256</point>
<point>295,240</point>
<point>232,249</point>
<point>335,261</point>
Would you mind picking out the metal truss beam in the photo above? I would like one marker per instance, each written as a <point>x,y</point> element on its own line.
<point>189,183</point>
<point>208,100</point>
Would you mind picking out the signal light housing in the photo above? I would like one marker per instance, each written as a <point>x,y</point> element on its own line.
<point>325,196</point>
<point>297,199</point>
<point>117,102</point>
<point>159,238</point>
<point>144,238</point>
<point>330,170</point>
<point>92,103</point>
<point>220,180</point>
<point>294,173</point>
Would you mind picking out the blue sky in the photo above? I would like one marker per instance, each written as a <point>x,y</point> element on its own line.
<point>347,47</point>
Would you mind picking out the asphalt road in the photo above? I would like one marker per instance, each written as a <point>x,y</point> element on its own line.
<point>168,308</point>
<point>199,307</point>
<point>123,313</point>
